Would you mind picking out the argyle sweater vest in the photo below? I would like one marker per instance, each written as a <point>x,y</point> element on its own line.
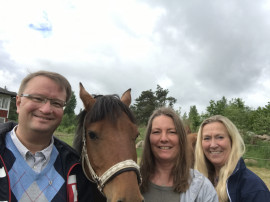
<point>28,185</point>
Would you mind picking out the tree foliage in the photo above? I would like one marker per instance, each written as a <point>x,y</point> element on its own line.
<point>238,113</point>
<point>261,120</point>
<point>217,107</point>
<point>161,98</point>
<point>193,118</point>
<point>144,106</point>
<point>245,118</point>
<point>13,116</point>
<point>148,101</point>
<point>71,105</point>
<point>68,124</point>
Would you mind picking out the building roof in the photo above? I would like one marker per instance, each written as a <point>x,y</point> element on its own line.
<point>6,92</point>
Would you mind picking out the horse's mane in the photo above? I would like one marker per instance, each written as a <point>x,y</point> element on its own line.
<point>107,106</point>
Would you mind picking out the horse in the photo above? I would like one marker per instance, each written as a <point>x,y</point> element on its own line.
<point>191,140</point>
<point>105,137</point>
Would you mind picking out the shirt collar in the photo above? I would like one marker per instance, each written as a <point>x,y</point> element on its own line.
<point>23,150</point>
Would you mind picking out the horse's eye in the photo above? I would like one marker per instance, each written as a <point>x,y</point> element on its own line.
<point>92,135</point>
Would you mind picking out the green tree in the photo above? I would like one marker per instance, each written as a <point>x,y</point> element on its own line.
<point>148,101</point>
<point>261,120</point>
<point>161,96</point>
<point>216,108</point>
<point>185,116</point>
<point>13,116</point>
<point>162,99</point>
<point>144,106</point>
<point>236,110</point>
<point>71,105</point>
<point>238,113</point>
<point>194,118</point>
<point>68,124</point>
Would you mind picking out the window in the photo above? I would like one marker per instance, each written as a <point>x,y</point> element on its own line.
<point>4,102</point>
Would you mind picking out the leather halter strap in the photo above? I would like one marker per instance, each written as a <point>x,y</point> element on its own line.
<point>123,166</point>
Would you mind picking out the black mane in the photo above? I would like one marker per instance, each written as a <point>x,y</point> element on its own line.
<point>106,107</point>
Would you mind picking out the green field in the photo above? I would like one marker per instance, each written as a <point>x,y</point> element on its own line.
<point>68,138</point>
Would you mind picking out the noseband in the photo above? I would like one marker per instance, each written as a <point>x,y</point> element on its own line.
<point>123,166</point>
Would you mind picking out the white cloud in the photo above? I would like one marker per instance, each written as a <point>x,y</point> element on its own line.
<point>197,50</point>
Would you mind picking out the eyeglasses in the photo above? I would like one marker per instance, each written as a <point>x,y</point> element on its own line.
<point>42,99</point>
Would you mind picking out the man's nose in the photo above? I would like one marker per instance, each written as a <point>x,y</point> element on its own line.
<point>46,107</point>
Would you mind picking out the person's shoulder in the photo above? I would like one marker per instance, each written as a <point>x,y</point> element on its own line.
<point>6,127</point>
<point>251,178</point>
<point>197,176</point>
<point>65,148</point>
<point>199,180</point>
<point>249,185</point>
<point>201,188</point>
<point>246,181</point>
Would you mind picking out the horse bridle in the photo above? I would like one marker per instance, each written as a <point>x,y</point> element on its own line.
<point>123,166</point>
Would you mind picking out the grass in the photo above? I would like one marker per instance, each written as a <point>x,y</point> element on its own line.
<point>259,152</point>
<point>142,131</point>
<point>263,173</point>
<point>68,138</point>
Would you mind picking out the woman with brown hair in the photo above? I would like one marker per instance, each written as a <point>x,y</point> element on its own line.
<point>165,167</point>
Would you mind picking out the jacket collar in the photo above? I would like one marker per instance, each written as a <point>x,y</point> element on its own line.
<point>239,166</point>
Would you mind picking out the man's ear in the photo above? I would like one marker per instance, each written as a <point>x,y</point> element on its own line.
<point>18,103</point>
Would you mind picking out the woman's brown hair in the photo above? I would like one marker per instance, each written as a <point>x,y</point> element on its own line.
<point>180,171</point>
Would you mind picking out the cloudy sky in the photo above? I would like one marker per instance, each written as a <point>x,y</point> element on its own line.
<point>198,50</point>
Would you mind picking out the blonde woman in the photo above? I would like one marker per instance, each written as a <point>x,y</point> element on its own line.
<point>165,167</point>
<point>218,155</point>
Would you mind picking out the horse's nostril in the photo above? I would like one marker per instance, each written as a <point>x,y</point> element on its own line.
<point>120,201</point>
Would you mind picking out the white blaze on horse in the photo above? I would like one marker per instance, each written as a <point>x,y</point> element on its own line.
<point>106,137</point>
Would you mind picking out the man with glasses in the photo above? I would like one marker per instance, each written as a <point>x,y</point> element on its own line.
<point>34,165</point>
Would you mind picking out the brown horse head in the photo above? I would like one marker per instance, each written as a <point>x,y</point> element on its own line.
<point>109,130</point>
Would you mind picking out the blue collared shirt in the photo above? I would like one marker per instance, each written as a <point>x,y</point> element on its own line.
<point>37,161</point>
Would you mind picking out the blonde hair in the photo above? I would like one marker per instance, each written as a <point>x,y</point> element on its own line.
<point>203,165</point>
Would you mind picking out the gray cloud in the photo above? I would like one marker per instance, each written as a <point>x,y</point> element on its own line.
<point>205,49</point>
<point>225,45</point>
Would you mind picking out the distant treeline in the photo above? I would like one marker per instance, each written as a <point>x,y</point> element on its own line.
<point>244,117</point>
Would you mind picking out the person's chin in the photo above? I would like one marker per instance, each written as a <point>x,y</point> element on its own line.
<point>216,162</point>
<point>43,127</point>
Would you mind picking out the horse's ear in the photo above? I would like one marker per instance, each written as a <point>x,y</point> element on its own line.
<point>86,98</point>
<point>126,97</point>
